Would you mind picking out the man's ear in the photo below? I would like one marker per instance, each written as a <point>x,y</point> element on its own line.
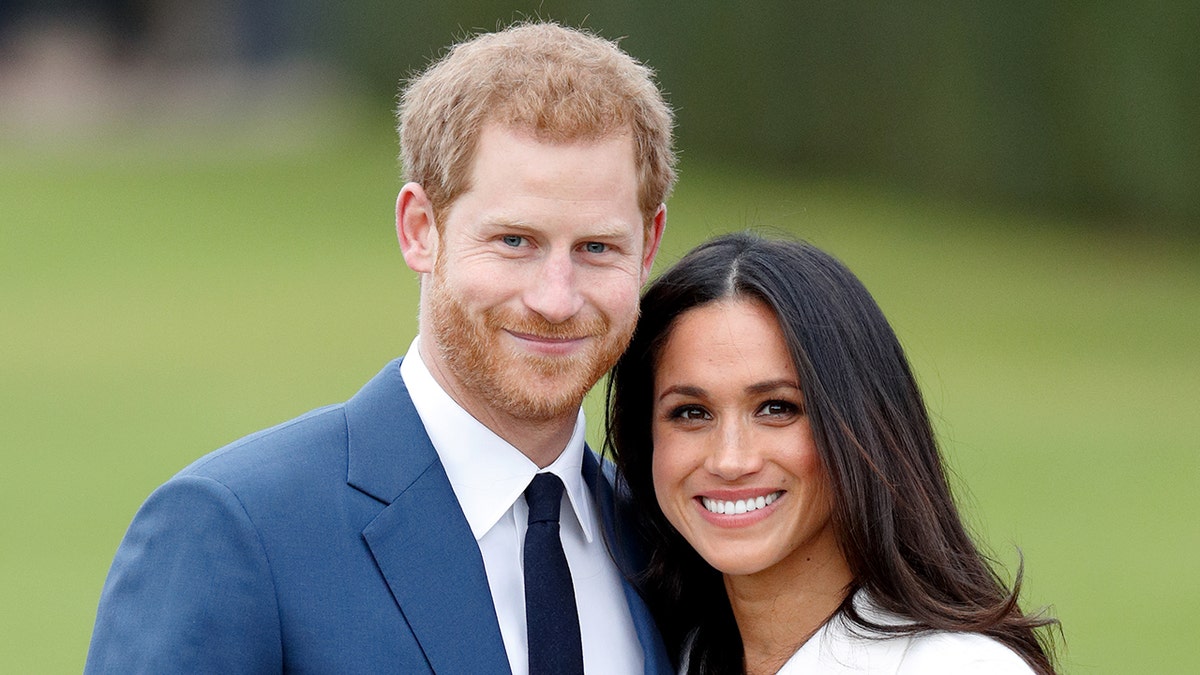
<point>415,228</point>
<point>653,238</point>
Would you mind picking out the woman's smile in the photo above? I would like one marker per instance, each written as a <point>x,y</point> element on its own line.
<point>739,506</point>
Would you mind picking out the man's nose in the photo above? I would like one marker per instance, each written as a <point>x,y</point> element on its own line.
<point>554,291</point>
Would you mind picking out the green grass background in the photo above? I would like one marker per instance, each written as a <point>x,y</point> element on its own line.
<point>164,292</point>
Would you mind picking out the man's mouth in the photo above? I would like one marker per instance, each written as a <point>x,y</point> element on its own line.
<point>533,337</point>
<point>740,506</point>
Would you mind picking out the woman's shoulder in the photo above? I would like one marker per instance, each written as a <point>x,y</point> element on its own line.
<point>939,652</point>
<point>948,652</point>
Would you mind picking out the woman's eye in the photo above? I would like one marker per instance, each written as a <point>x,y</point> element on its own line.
<point>513,240</point>
<point>779,408</point>
<point>690,412</point>
<point>595,247</point>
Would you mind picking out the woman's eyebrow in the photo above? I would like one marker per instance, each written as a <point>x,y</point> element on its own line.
<point>771,385</point>
<point>683,390</point>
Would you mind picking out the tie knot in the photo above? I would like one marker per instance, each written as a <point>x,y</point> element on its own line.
<point>544,495</point>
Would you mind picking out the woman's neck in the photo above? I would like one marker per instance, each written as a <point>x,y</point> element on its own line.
<point>780,608</point>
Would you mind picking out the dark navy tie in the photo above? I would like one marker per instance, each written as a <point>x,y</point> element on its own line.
<point>555,647</point>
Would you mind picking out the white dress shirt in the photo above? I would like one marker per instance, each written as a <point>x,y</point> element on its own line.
<point>489,477</point>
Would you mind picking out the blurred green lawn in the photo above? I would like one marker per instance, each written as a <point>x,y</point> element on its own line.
<point>164,293</point>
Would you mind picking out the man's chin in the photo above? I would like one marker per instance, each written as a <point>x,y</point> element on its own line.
<point>533,395</point>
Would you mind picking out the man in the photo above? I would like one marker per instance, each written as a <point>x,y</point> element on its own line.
<point>398,532</point>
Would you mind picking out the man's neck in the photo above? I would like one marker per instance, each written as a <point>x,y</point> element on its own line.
<point>542,441</point>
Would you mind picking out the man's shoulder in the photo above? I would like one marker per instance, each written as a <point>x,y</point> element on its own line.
<point>599,466</point>
<point>295,443</point>
<point>603,479</point>
<point>314,442</point>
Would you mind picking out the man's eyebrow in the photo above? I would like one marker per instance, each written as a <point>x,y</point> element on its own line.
<point>616,230</point>
<point>601,231</point>
<point>507,222</point>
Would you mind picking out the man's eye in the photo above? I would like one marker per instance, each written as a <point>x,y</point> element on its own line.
<point>595,247</point>
<point>513,240</point>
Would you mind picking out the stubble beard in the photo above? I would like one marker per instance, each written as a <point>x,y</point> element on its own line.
<point>525,386</point>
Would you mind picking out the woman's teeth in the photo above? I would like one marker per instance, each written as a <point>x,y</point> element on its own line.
<point>740,506</point>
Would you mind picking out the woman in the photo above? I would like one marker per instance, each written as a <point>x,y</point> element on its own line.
<point>779,454</point>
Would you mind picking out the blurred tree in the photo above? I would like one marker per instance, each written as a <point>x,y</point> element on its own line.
<point>1081,106</point>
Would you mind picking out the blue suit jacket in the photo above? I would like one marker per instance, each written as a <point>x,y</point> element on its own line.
<point>332,543</point>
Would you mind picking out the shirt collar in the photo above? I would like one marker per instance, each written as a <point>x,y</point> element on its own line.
<point>487,473</point>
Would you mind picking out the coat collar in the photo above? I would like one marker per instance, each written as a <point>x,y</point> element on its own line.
<point>383,426</point>
<point>420,530</point>
<point>600,476</point>
<point>422,526</point>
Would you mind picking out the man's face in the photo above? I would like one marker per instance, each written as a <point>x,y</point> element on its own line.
<point>534,289</point>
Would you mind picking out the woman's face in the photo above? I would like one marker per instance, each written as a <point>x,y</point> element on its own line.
<point>735,467</point>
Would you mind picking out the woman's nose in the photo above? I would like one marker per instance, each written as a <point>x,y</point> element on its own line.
<point>733,455</point>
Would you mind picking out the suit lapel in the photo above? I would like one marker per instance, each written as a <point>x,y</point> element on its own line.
<point>421,541</point>
<point>629,563</point>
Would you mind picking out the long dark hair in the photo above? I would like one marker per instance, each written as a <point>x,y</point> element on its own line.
<point>893,513</point>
